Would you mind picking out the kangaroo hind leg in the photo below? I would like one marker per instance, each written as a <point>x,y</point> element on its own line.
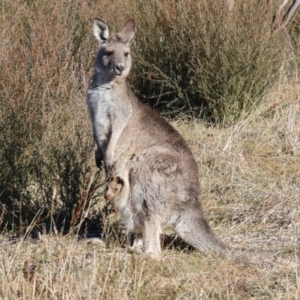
<point>151,225</point>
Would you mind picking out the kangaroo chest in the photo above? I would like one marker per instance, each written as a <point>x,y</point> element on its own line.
<point>110,110</point>
<point>101,103</point>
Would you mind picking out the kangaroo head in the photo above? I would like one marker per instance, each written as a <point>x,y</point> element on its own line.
<point>114,58</point>
<point>114,188</point>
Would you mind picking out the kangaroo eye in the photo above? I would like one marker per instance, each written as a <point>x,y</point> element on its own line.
<point>126,54</point>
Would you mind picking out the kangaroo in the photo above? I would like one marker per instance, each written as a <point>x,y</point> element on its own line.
<point>160,175</point>
<point>113,188</point>
<point>108,112</point>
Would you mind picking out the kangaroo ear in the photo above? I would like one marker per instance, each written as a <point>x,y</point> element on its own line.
<point>128,30</point>
<point>120,180</point>
<point>100,30</point>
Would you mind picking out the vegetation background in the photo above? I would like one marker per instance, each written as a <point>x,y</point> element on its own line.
<point>228,81</point>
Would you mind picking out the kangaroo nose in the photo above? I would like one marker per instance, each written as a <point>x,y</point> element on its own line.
<point>119,68</point>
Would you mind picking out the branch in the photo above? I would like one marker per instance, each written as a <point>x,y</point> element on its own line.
<point>292,9</point>
<point>287,16</point>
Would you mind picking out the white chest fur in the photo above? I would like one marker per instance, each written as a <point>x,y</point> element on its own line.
<point>101,105</point>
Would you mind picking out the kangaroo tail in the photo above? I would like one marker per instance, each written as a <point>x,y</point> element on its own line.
<point>193,228</point>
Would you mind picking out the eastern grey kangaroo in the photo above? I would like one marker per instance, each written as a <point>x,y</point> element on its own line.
<point>160,175</point>
<point>113,188</point>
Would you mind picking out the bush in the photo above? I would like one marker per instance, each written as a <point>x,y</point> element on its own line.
<point>199,58</point>
<point>46,162</point>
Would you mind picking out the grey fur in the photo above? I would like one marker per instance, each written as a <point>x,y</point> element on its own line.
<point>160,175</point>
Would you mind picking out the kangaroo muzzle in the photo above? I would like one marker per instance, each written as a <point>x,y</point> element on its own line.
<point>119,69</point>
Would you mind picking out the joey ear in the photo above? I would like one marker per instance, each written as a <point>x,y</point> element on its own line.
<point>100,30</point>
<point>120,180</point>
<point>128,30</point>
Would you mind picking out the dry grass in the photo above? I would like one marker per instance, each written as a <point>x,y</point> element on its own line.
<point>251,190</point>
<point>249,173</point>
